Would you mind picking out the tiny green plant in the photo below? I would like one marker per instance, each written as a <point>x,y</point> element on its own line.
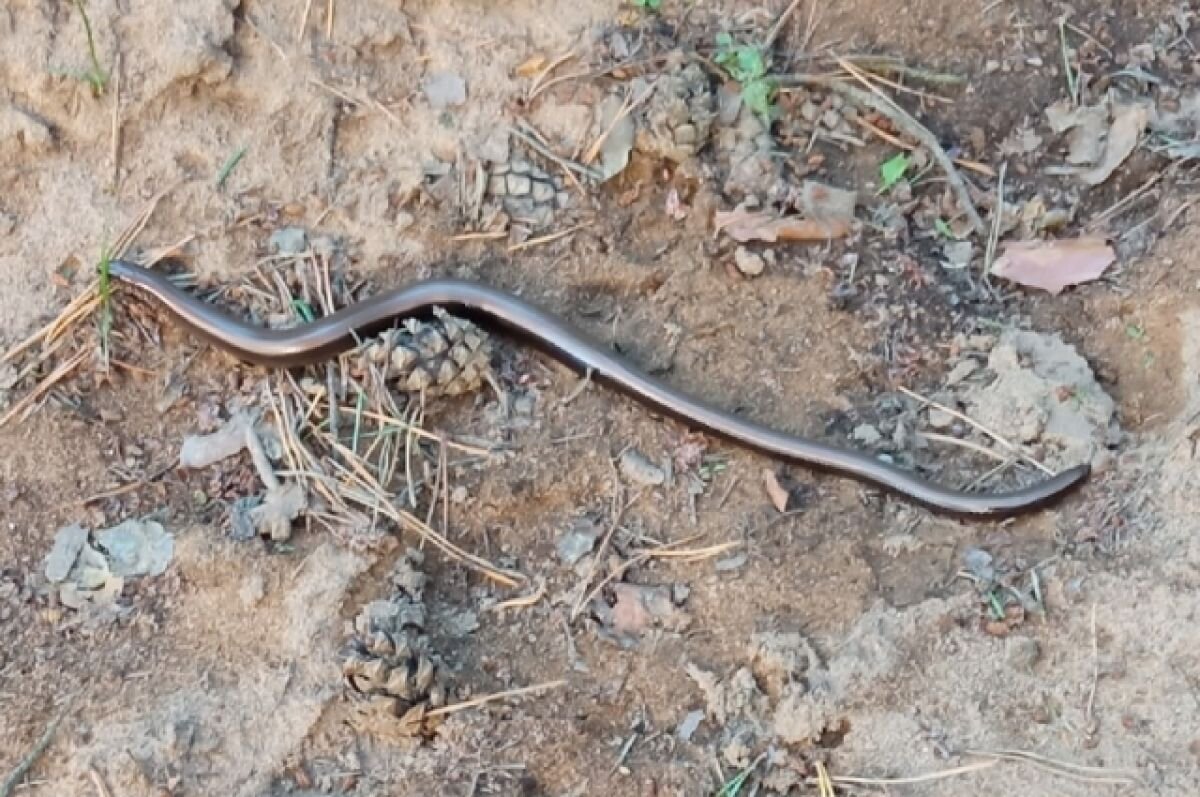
<point>943,229</point>
<point>892,171</point>
<point>228,167</point>
<point>95,76</point>
<point>747,64</point>
<point>647,5</point>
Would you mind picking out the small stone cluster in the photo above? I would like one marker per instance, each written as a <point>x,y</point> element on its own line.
<point>528,194</point>
<point>679,115</point>
<point>388,666</point>
<point>444,356</point>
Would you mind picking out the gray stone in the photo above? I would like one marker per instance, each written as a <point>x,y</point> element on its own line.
<point>288,241</point>
<point>685,135</point>
<point>497,185</point>
<point>577,541</point>
<point>866,434</point>
<point>444,89</point>
<point>68,542</point>
<point>519,184</point>
<point>543,192</point>
<point>637,468</point>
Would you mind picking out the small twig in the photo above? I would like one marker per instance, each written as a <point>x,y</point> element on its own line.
<point>1063,768</point>
<point>535,88</point>
<point>618,511</point>
<point>304,20</point>
<point>545,239</point>
<point>955,441</point>
<point>1134,195</point>
<point>876,100</point>
<point>39,748</point>
<point>329,20</point>
<point>526,132</point>
<point>989,256</point>
<point>777,28</point>
<point>895,141</point>
<point>98,782</point>
<point>926,778</point>
<point>1091,703</point>
<point>50,381</point>
<point>969,420</point>
<point>523,601</point>
<point>479,701</point>
<point>627,107</point>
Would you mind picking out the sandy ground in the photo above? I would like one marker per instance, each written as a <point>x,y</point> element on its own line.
<point>842,637</point>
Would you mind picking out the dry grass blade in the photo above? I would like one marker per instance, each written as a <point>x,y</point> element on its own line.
<point>545,239</point>
<point>535,88</point>
<point>1064,769</point>
<point>852,780</point>
<point>388,420</point>
<point>523,601</point>
<point>1013,447</point>
<point>970,165</point>
<point>50,381</point>
<point>627,107</point>
<point>480,701</point>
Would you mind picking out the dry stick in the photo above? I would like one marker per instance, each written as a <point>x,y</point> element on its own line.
<point>523,601</point>
<point>879,102</point>
<point>304,20</point>
<point>536,141</point>
<point>993,240</point>
<point>1062,768</point>
<point>329,20</point>
<point>479,701</point>
<point>975,166</point>
<point>59,373</point>
<point>945,773</point>
<point>618,511</point>
<point>627,107</point>
<point>777,28</point>
<point>968,420</point>
<point>967,444</point>
<point>546,239</point>
<point>25,764</point>
<point>535,86</point>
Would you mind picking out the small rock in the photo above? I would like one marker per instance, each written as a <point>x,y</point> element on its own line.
<point>637,468</point>
<point>137,548</point>
<point>940,419</point>
<point>68,542</point>
<point>958,254</point>
<point>518,184</point>
<point>444,89</point>
<point>961,370</point>
<point>979,563</point>
<point>253,589</point>
<point>748,262</point>
<point>831,118</point>
<point>497,185</point>
<point>866,434</point>
<point>543,192</point>
<point>288,241</point>
<point>577,541</point>
<point>731,563</point>
<point>809,111</point>
<point>687,729</point>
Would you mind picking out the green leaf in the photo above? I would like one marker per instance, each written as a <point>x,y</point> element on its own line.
<point>750,64</point>
<point>943,228</point>
<point>892,170</point>
<point>304,310</point>
<point>759,96</point>
<point>724,42</point>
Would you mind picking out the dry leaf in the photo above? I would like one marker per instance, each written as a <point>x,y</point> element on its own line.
<point>1128,124</point>
<point>775,491</point>
<point>640,608</point>
<point>1054,265</point>
<point>826,203</point>
<point>531,66</point>
<point>744,225</point>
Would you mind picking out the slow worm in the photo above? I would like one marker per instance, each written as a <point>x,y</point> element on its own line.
<point>342,330</point>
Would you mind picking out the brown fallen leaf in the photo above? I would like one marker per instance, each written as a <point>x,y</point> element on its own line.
<point>1128,124</point>
<point>1054,265</point>
<point>744,225</point>
<point>775,491</point>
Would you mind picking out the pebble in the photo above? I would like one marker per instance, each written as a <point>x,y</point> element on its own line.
<point>961,370</point>
<point>543,192</point>
<point>288,241</point>
<point>444,89</point>
<point>866,434</point>
<point>577,541</point>
<point>748,262</point>
<point>690,724</point>
<point>253,589</point>
<point>940,419</point>
<point>831,119</point>
<point>68,542</point>
<point>809,111</point>
<point>636,467</point>
<point>518,184</point>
